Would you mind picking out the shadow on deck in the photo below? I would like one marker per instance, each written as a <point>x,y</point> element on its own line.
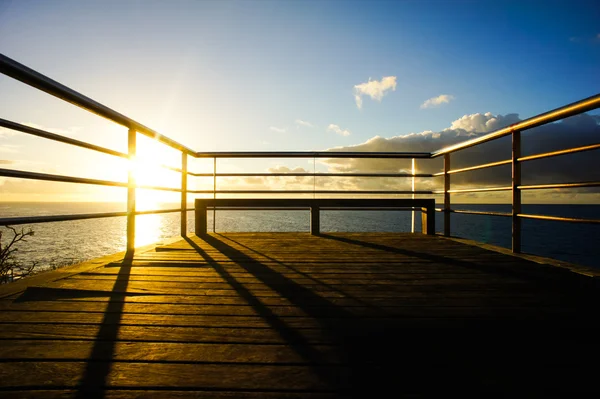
<point>289,315</point>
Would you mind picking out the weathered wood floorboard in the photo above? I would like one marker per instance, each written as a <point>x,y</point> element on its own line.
<point>290,315</point>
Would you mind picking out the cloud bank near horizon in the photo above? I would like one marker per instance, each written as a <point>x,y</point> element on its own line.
<point>576,131</point>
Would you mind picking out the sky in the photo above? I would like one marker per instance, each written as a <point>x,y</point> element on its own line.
<point>294,75</point>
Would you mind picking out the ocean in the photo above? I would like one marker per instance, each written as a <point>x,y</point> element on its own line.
<point>62,243</point>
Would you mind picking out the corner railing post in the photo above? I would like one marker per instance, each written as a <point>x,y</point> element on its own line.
<point>413,169</point>
<point>516,191</point>
<point>131,145</point>
<point>183,194</point>
<point>447,194</point>
<point>214,194</point>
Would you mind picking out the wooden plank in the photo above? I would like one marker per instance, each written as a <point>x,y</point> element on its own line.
<point>173,376</point>
<point>165,394</point>
<point>22,350</point>
<point>290,315</point>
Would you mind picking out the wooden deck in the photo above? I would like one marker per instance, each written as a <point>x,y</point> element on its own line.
<point>289,315</point>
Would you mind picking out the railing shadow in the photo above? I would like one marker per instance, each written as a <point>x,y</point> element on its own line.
<point>95,376</point>
<point>375,309</point>
<point>292,336</point>
<point>377,353</point>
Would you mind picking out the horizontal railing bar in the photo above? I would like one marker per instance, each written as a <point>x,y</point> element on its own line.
<point>58,178</point>
<point>57,137</point>
<point>469,212</point>
<point>312,154</point>
<point>157,211</point>
<point>559,218</point>
<point>35,79</point>
<point>474,190</point>
<point>566,111</point>
<point>476,167</point>
<point>14,221</point>
<point>304,192</point>
<point>19,174</point>
<point>560,185</point>
<point>312,174</point>
<point>57,218</point>
<point>237,208</point>
<point>178,170</point>
<point>561,152</point>
<point>159,188</point>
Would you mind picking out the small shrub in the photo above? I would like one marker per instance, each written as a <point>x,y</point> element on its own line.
<point>10,267</point>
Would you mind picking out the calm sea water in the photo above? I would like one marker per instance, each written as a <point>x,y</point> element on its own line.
<point>60,243</point>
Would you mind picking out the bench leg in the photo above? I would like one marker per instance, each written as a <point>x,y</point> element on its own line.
<point>428,221</point>
<point>200,213</point>
<point>315,221</point>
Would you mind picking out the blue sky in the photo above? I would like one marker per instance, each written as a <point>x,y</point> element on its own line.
<point>240,75</point>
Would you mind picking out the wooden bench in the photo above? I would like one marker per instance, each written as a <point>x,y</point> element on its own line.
<point>427,207</point>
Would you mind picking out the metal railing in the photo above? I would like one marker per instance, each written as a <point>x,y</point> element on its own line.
<point>32,78</point>
<point>516,160</point>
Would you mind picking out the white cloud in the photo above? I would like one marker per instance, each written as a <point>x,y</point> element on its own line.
<point>300,122</point>
<point>374,89</point>
<point>483,123</point>
<point>338,130</point>
<point>278,129</point>
<point>435,101</point>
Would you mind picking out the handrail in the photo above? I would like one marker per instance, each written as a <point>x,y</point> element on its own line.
<point>35,79</point>
<point>308,174</point>
<point>566,111</point>
<point>357,192</point>
<point>313,154</point>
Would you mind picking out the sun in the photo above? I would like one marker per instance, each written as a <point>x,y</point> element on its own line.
<point>148,171</point>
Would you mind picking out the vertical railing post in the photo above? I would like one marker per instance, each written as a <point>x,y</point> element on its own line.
<point>214,194</point>
<point>447,195</point>
<point>184,160</point>
<point>131,145</point>
<point>412,225</point>
<point>516,191</point>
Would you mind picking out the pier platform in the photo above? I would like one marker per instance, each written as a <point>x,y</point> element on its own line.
<point>292,315</point>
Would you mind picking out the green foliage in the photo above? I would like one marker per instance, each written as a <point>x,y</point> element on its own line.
<point>10,267</point>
